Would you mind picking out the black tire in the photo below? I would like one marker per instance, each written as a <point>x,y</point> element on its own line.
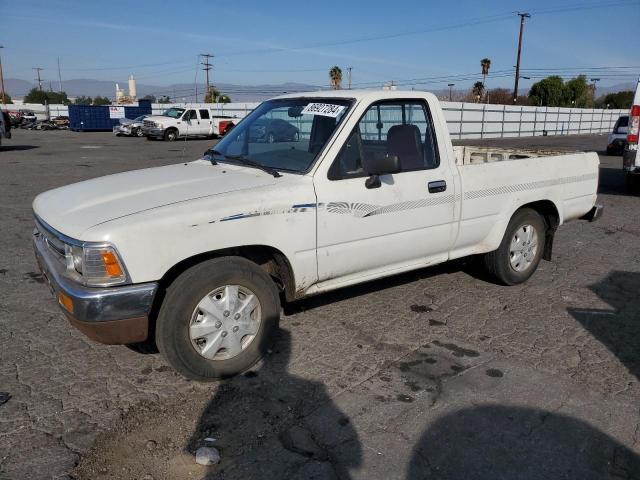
<point>181,300</point>
<point>632,182</point>
<point>138,133</point>
<point>150,138</point>
<point>610,152</point>
<point>170,135</point>
<point>498,263</point>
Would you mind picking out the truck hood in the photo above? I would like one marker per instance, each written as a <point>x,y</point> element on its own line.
<point>75,208</point>
<point>161,118</point>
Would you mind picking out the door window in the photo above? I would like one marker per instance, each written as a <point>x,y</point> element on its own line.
<point>402,128</point>
<point>190,115</point>
<point>204,114</point>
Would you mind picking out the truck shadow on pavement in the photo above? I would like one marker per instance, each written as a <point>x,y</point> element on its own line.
<point>264,427</point>
<point>503,442</point>
<point>612,182</point>
<point>618,328</point>
<point>15,148</point>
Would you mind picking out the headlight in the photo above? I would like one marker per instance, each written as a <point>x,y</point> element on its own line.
<point>96,266</point>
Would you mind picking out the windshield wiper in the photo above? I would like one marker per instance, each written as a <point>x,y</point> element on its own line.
<point>213,151</point>
<point>245,161</point>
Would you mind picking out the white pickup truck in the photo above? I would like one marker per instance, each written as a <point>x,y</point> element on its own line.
<point>176,122</point>
<point>198,256</point>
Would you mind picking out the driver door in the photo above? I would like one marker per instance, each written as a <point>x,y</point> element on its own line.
<point>407,221</point>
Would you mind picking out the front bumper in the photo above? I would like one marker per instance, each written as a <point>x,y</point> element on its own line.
<point>153,132</point>
<point>111,315</point>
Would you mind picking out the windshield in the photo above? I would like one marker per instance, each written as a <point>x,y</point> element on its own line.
<point>285,134</point>
<point>173,112</point>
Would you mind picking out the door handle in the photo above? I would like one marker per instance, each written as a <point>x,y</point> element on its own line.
<point>437,186</point>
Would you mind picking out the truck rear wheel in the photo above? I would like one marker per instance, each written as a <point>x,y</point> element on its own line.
<point>217,318</point>
<point>520,251</point>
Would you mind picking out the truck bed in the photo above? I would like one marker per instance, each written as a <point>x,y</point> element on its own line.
<point>473,155</point>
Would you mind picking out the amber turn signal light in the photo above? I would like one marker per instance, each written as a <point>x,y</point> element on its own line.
<point>111,264</point>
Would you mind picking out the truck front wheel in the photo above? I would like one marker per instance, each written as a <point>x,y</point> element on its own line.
<point>170,134</point>
<point>216,318</point>
<point>520,251</point>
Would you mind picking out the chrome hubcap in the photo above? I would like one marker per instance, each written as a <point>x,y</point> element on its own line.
<point>225,322</point>
<point>523,248</point>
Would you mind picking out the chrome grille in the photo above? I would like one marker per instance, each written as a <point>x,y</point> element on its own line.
<point>149,123</point>
<point>54,244</point>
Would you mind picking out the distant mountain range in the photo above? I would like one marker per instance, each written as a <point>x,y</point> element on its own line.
<point>180,92</point>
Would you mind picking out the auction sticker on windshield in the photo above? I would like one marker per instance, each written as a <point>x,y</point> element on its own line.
<point>324,109</point>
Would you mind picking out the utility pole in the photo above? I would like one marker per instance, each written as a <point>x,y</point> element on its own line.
<point>515,88</point>
<point>38,70</point>
<point>59,77</point>
<point>451,85</point>
<point>594,80</point>
<point>207,66</point>
<point>349,76</point>
<point>2,80</point>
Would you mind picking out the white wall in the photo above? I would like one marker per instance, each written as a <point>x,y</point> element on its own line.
<point>465,120</point>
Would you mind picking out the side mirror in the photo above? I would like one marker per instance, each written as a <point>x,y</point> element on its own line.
<point>380,164</point>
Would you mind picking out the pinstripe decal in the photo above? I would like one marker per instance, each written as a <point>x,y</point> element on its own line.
<point>365,210</point>
<point>520,187</point>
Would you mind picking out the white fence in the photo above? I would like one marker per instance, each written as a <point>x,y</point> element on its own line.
<point>465,120</point>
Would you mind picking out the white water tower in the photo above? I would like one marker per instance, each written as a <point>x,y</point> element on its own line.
<point>132,88</point>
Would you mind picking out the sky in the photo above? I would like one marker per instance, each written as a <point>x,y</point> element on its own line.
<point>420,44</point>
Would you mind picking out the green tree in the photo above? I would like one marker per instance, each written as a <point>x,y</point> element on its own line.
<point>7,98</point>
<point>335,77</point>
<point>38,96</point>
<point>214,96</point>
<point>82,100</point>
<point>485,63</point>
<point>578,93</point>
<point>616,100</point>
<point>477,91</point>
<point>164,99</point>
<point>548,92</point>
<point>101,101</point>
<point>151,98</point>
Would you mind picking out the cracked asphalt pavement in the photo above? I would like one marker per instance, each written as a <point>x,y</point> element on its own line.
<point>434,374</point>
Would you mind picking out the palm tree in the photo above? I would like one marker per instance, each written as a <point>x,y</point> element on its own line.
<point>485,63</point>
<point>478,91</point>
<point>335,77</point>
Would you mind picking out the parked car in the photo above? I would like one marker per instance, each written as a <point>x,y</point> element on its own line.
<point>27,116</point>
<point>273,130</point>
<point>186,122</point>
<point>61,121</point>
<point>631,154</point>
<point>129,127</point>
<point>199,254</point>
<point>618,137</point>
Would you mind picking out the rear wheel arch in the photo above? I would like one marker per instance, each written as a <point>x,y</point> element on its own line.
<point>549,212</point>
